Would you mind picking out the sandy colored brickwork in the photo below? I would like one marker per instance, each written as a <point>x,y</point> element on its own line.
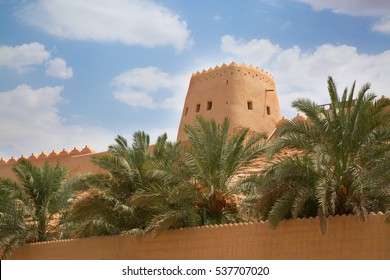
<point>348,238</point>
<point>245,94</point>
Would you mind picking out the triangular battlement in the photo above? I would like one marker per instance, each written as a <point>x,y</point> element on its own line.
<point>233,64</point>
<point>52,155</point>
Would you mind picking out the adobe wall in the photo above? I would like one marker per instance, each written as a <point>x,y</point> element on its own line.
<point>75,161</point>
<point>247,95</point>
<point>348,238</point>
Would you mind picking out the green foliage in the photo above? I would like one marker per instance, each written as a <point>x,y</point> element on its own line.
<point>102,206</point>
<point>172,187</point>
<point>285,189</point>
<point>107,202</point>
<point>339,162</point>
<point>27,207</point>
<point>197,186</point>
<point>214,158</point>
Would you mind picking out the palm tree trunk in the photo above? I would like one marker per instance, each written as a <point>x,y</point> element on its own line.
<point>42,226</point>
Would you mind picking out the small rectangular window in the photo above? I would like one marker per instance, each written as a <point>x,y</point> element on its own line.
<point>268,110</point>
<point>209,105</point>
<point>197,108</point>
<point>186,111</point>
<point>250,105</point>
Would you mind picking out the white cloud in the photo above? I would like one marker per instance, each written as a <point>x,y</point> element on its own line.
<point>260,50</point>
<point>352,7</point>
<point>137,22</point>
<point>383,25</point>
<point>151,88</point>
<point>22,58</point>
<point>299,73</point>
<point>379,8</point>
<point>33,124</point>
<point>57,68</point>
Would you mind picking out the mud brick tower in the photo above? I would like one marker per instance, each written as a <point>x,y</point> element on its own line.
<point>247,95</point>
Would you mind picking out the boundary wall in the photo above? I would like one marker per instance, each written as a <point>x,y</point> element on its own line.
<point>348,238</point>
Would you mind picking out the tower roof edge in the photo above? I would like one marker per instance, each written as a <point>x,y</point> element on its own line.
<point>231,65</point>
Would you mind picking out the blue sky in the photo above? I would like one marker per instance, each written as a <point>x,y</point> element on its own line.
<point>76,73</point>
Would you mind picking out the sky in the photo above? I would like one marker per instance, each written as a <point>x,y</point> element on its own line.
<point>76,73</point>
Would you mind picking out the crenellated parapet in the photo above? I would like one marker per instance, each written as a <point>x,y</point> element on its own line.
<point>233,69</point>
<point>224,66</point>
<point>284,120</point>
<point>298,117</point>
<point>53,155</point>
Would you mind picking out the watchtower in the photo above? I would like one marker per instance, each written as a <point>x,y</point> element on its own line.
<point>247,95</point>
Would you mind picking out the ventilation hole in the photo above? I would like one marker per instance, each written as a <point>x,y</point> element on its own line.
<point>186,111</point>
<point>197,108</point>
<point>268,110</point>
<point>250,105</point>
<point>209,105</point>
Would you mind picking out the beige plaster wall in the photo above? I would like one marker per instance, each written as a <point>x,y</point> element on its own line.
<point>228,89</point>
<point>76,161</point>
<point>348,238</point>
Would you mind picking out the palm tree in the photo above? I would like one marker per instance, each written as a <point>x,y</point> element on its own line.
<point>285,189</point>
<point>28,207</point>
<point>200,186</point>
<point>103,206</point>
<point>338,164</point>
<point>214,159</point>
<point>169,196</point>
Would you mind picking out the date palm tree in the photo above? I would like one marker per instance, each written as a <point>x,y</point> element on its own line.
<point>199,187</point>
<point>285,189</point>
<point>338,163</point>
<point>169,196</point>
<point>103,206</point>
<point>28,206</point>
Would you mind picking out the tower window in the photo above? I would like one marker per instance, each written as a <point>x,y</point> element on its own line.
<point>250,105</point>
<point>197,108</point>
<point>186,111</point>
<point>268,110</point>
<point>209,105</point>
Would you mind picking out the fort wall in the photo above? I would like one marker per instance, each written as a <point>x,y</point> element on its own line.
<point>75,161</point>
<point>247,95</point>
<point>348,239</point>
